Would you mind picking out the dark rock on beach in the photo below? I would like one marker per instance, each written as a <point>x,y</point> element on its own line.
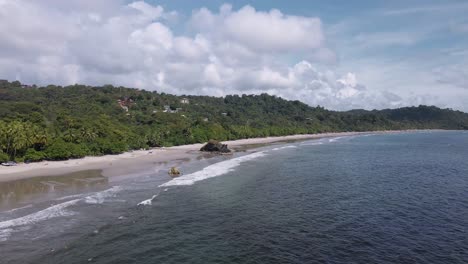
<point>215,146</point>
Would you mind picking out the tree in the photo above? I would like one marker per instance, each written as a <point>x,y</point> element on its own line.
<point>77,120</point>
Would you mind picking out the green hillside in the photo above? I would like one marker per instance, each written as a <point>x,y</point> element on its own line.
<point>56,123</point>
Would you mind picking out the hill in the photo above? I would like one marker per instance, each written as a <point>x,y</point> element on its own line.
<point>56,122</point>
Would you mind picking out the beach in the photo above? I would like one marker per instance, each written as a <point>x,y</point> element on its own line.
<point>140,160</point>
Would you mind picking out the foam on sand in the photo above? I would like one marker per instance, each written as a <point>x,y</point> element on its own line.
<point>213,170</point>
<point>58,210</point>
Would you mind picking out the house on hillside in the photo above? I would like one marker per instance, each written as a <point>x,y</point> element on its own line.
<point>125,103</point>
<point>185,101</point>
<point>167,109</point>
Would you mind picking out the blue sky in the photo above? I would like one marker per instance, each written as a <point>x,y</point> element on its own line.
<point>339,54</point>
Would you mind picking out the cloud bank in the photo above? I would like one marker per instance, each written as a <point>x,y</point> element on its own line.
<point>222,52</point>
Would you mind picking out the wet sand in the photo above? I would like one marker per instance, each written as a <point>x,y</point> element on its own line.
<point>22,192</point>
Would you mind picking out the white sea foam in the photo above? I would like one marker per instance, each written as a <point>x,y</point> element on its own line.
<point>335,139</point>
<point>148,201</point>
<point>285,147</point>
<point>70,197</point>
<point>100,197</point>
<point>312,143</point>
<point>18,209</point>
<point>213,170</point>
<point>58,210</point>
<point>5,234</point>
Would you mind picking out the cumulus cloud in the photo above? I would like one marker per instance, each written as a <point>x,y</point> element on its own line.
<point>456,75</point>
<point>263,31</point>
<point>227,51</point>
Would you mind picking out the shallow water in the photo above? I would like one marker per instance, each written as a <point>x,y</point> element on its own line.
<point>23,192</point>
<point>399,198</point>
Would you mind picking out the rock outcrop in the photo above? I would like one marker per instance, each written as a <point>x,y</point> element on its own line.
<point>174,172</point>
<point>215,146</point>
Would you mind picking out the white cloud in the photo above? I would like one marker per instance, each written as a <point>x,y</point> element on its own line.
<point>440,8</point>
<point>229,51</point>
<point>456,75</point>
<point>270,31</point>
<point>150,12</point>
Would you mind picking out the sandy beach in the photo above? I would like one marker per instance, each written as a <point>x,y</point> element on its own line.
<point>131,162</point>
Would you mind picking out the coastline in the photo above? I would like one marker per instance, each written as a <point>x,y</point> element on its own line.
<point>130,162</point>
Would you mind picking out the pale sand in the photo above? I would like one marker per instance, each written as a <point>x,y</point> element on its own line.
<point>131,162</point>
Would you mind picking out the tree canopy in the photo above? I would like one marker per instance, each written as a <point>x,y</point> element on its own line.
<point>54,123</point>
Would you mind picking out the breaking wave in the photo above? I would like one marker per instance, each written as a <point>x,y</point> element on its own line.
<point>335,139</point>
<point>312,143</point>
<point>213,170</point>
<point>148,201</point>
<point>100,197</point>
<point>285,147</point>
<point>58,210</point>
<point>18,209</point>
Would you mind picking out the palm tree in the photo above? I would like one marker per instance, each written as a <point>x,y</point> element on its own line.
<point>88,134</point>
<point>69,136</point>
<point>39,137</point>
<point>16,138</point>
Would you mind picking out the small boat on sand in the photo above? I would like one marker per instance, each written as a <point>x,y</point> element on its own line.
<point>9,163</point>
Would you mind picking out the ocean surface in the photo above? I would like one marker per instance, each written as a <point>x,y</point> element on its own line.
<point>393,198</point>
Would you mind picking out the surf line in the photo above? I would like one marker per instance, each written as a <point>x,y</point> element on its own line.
<point>149,201</point>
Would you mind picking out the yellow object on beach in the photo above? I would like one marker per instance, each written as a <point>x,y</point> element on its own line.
<point>174,172</point>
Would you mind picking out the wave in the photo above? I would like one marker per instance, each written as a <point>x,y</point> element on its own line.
<point>335,139</point>
<point>70,197</point>
<point>5,234</point>
<point>58,210</point>
<point>100,197</point>
<point>312,143</point>
<point>17,209</point>
<point>211,171</point>
<point>148,201</point>
<point>285,147</point>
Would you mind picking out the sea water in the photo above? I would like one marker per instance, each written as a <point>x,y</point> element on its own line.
<point>393,198</point>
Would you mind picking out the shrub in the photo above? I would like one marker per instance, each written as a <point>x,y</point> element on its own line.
<point>114,147</point>
<point>61,150</point>
<point>57,151</point>
<point>3,157</point>
<point>34,155</point>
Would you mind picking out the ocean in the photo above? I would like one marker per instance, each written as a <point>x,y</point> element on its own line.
<point>386,198</point>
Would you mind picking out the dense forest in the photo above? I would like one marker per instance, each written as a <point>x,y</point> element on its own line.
<point>56,123</point>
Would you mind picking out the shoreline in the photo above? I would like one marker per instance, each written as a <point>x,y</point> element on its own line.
<point>137,160</point>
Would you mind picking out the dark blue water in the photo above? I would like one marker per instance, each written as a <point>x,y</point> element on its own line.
<point>399,198</point>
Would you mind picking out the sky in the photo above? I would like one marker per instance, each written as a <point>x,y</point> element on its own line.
<point>338,54</point>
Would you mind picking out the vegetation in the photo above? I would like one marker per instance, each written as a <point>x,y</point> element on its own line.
<point>56,123</point>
